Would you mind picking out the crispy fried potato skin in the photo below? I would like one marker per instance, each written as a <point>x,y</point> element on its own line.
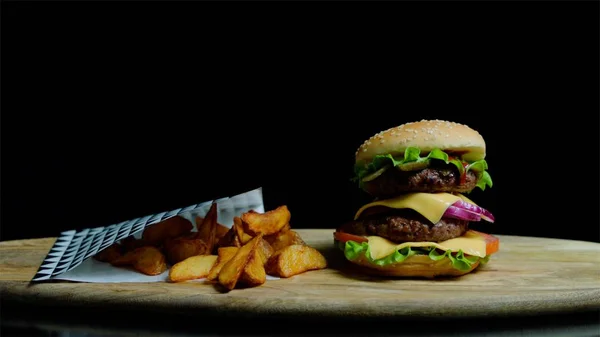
<point>180,248</point>
<point>232,270</point>
<point>266,223</point>
<point>256,246</point>
<point>254,272</point>
<point>293,260</point>
<point>208,231</point>
<point>110,253</point>
<point>284,239</point>
<point>148,260</point>
<point>192,268</point>
<point>156,234</point>
<point>224,255</point>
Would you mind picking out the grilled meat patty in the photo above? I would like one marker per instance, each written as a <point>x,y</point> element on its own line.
<point>406,225</point>
<point>432,179</point>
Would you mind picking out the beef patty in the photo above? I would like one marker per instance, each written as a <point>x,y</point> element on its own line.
<point>432,179</point>
<point>406,225</point>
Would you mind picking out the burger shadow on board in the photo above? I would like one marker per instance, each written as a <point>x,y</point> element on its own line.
<point>419,222</point>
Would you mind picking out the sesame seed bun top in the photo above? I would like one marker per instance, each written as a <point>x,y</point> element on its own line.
<point>425,135</point>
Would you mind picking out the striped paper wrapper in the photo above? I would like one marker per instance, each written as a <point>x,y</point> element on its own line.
<point>69,258</point>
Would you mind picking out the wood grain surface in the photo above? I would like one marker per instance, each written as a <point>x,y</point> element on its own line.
<point>528,276</point>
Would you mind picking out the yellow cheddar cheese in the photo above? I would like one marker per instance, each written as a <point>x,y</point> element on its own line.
<point>431,205</point>
<point>470,243</point>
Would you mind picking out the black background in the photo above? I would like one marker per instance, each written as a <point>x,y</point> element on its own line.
<point>117,110</point>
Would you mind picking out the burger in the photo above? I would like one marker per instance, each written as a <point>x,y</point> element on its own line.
<point>418,176</point>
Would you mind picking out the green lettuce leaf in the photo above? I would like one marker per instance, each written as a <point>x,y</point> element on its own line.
<point>413,154</point>
<point>353,250</point>
<point>483,177</point>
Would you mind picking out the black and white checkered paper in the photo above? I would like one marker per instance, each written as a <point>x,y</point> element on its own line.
<point>73,247</point>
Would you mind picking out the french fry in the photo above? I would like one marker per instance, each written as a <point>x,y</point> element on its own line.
<point>109,253</point>
<point>156,234</point>
<point>148,260</point>
<point>287,238</point>
<point>254,273</point>
<point>242,237</point>
<point>224,255</point>
<point>266,223</point>
<point>208,231</point>
<point>293,260</point>
<point>221,229</point>
<point>180,248</point>
<point>192,268</point>
<point>232,270</point>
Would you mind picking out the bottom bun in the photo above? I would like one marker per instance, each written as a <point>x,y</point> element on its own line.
<point>414,266</point>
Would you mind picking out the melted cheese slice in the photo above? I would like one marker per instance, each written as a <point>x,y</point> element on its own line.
<point>431,205</point>
<point>470,243</point>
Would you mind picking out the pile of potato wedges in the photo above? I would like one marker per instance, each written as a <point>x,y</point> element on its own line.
<point>257,245</point>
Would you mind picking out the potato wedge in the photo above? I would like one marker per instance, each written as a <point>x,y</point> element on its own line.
<point>265,250</point>
<point>224,255</point>
<point>287,238</point>
<point>238,227</point>
<point>192,268</point>
<point>271,237</point>
<point>293,260</point>
<point>221,229</point>
<point>254,273</point>
<point>109,253</point>
<point>180,248</point>
<point>207,232</point>
<point>151,261</point>
<point>128,258</point>
<point>155,235</point>
<point>266,223</point>
<point>229,240</point>
<point>130,243</point>
<point>232,270</point>
<point>148,260</point>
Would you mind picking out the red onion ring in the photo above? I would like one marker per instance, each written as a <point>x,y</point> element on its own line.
<point>461,214</point>
<point>482,212</point>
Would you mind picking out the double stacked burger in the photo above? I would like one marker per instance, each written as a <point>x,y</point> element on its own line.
<point>418,224</point>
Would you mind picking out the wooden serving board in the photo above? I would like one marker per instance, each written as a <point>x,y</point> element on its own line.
<point>528,276</point>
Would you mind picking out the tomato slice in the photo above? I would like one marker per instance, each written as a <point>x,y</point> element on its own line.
<point>492,243</point>
<point>343,237</point>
